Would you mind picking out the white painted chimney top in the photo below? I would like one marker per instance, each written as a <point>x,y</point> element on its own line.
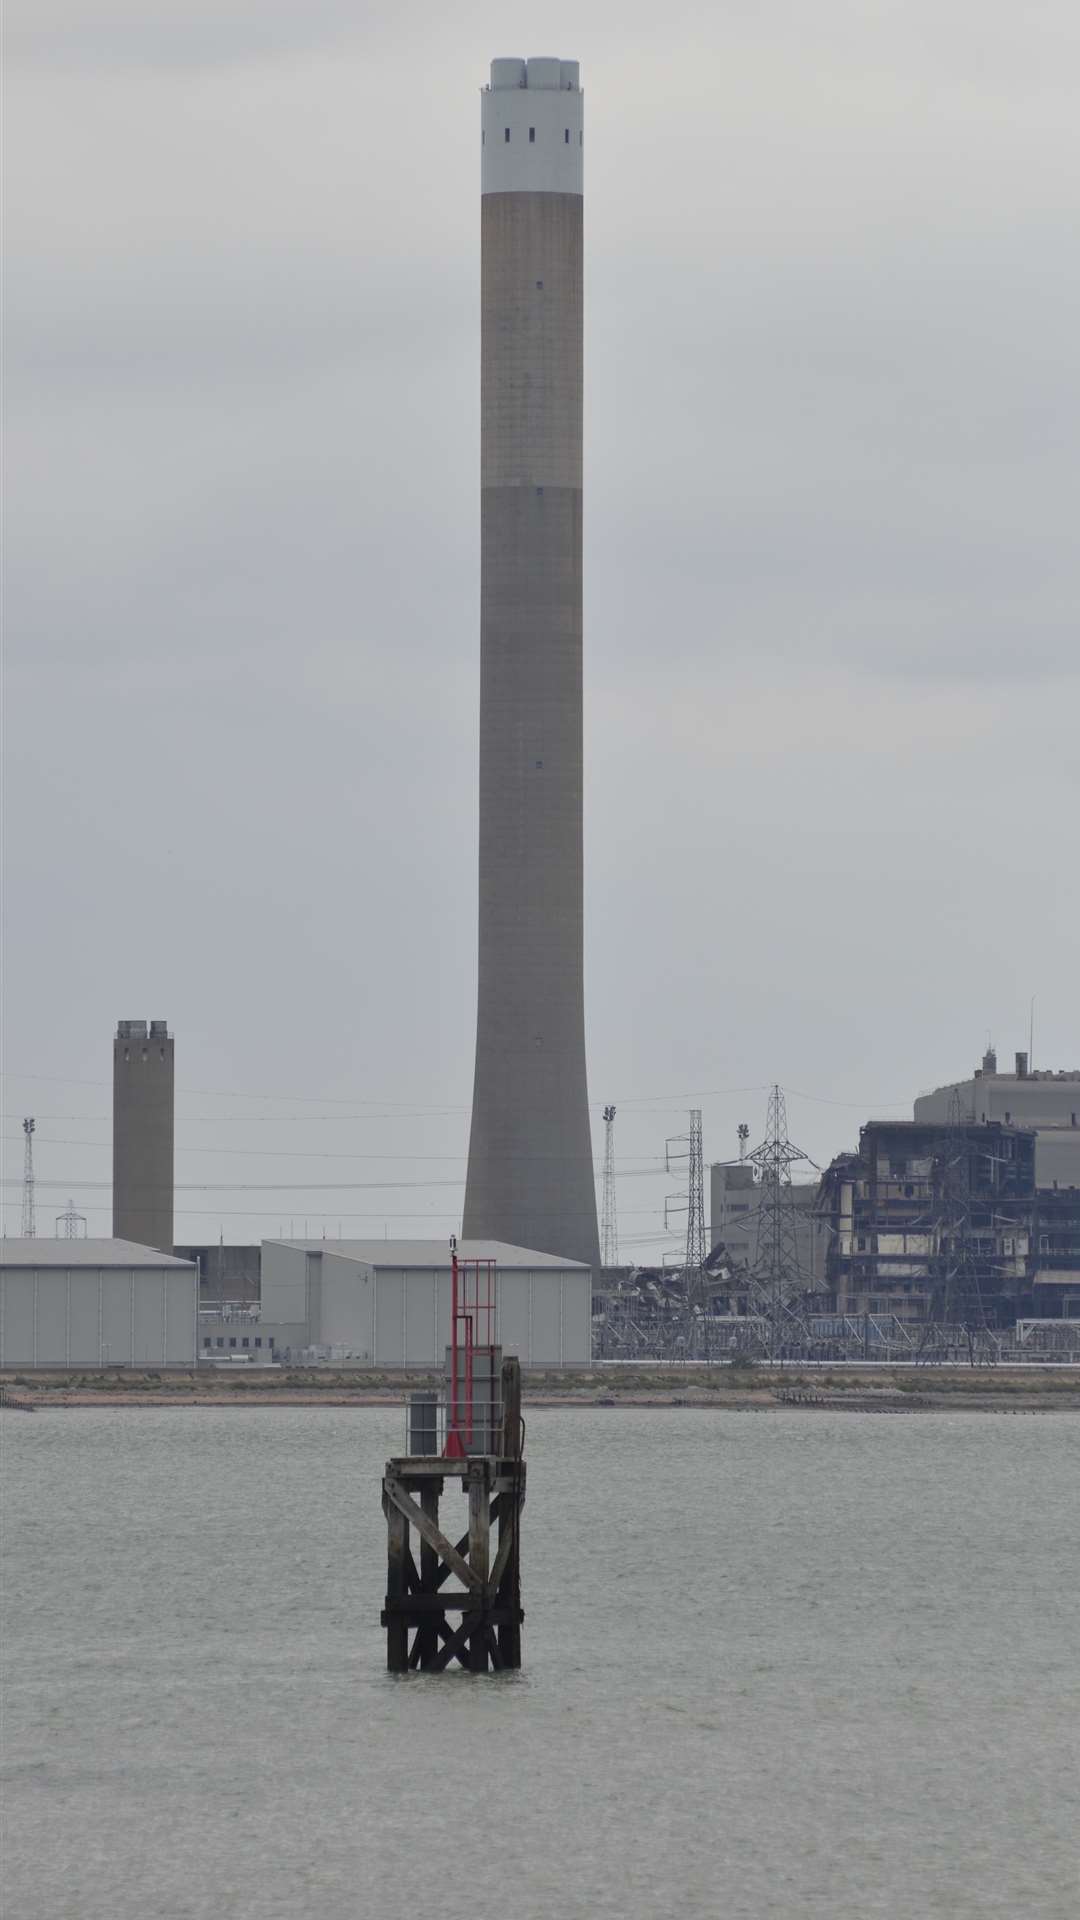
<point>532,127</point>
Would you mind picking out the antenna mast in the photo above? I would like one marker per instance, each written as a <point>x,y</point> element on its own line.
<point>29,1213</point>
<point>609,1232</point>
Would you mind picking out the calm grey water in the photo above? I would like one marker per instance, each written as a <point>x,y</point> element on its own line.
<point>776,1663</point>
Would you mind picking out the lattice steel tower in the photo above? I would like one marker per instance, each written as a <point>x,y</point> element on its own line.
<point>778,1281</point>
<point>71,1224</point>
<point>696,1249</point>
<point>29,1212</point>
<point>530,1178</point>
<point>609,1231</point>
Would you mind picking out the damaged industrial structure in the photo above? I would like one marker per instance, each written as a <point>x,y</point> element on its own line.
<point>945,1228</point>
<point>954,1234</point>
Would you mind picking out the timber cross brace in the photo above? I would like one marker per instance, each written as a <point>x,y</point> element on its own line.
<point>487,1595</point>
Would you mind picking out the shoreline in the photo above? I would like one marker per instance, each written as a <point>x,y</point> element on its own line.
<point>874,1390</point>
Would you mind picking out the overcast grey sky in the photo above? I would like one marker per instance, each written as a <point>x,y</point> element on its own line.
<point>832,592</point>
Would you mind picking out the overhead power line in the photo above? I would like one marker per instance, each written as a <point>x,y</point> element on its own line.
<point>242,1186</point>
<point>411,1109</point>
<point>318,1153</point>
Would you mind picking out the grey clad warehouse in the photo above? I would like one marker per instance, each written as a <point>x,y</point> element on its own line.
<point>95,1303</point>
<point>387,1302</point>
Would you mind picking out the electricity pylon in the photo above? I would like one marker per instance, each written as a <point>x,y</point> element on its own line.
<point>777,1280</point>
<point>71,1225</point>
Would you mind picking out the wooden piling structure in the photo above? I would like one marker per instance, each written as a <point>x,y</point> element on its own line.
<point>421,1631</point>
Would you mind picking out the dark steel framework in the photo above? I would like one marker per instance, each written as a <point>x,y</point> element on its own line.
<point>609,1231</point>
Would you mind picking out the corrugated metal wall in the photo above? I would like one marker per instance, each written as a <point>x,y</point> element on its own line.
<point>97,1316</point>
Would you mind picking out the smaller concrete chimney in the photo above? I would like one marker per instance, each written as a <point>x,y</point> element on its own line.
<point>1021,1066</point>
<point>989,1064</point>
<point>143,1126</point>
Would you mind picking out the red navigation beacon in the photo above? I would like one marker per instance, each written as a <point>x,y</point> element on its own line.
<point>472,1335</point>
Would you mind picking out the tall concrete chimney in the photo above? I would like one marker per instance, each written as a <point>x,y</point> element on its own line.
<point>143,1109</point>
<point>530,1178</point>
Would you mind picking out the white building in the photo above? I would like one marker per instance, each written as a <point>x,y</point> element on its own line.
<point>1048,1102</point>
<point>387,1302</point>
<point>95,1303</point>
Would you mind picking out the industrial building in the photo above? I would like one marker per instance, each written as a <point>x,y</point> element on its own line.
<point>387,1302</point>
<point>919,1198</point>
<point>1048,1102</point>
<point>233,1332</point>
<point>143,1109</point>
<point>95,1303</point>
<point>734,1192</point>
<point>228,1275</point>
<point>530,1171</point>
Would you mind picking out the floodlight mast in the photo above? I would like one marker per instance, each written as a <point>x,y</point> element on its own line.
<point>29,1212</point>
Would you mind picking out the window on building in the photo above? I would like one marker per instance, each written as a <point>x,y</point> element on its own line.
<point>566,137</point>
<point>245,1342</point>
<point>232,1340</point>
<point>221,1343</point>
<point>532,136</point>
<point>270,1340</point>
<point>506,134</point>
<point>258,1342</point>
<point>207,1340</point>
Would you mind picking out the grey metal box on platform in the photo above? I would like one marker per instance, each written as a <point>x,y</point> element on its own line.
<point>482,1395</point>
<point>424,1423</point>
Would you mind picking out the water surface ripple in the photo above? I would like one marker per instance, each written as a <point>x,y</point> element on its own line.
<point>776,1664</point>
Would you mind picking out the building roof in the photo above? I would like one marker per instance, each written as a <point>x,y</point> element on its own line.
<point>966,1125</point>
<point>85,1253</point>
<point>432,1253</point>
